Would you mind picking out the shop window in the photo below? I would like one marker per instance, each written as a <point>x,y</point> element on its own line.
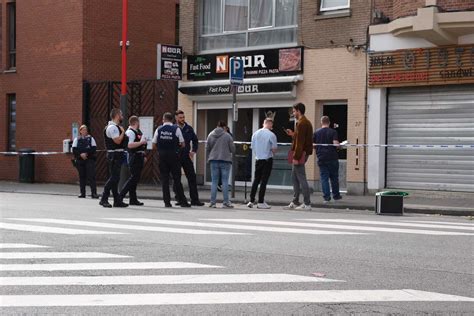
<point>247,23</point>
<point>331,5</point>
<point>11,99</point>
<point>11,33</point>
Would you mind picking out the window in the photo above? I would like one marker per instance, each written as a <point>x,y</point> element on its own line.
<point>11,33</point>
<point>227,24</point>
<point>11,99</point>
<point>329,5</point>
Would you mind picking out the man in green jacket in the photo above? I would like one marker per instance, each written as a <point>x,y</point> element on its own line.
<point>302,148</point>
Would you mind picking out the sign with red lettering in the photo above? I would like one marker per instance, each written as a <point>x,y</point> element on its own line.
<point>423,66</point>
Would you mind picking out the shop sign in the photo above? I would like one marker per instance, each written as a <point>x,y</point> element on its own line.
<point>261,63</point>
<point>169,62</point>
<point>423,66</point>
<point>244,89</point>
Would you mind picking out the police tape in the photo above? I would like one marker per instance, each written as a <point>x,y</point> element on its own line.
<point>48,153</point>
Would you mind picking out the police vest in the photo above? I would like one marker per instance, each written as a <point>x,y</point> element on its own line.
<point>111,145</point>
<point>167,139</point>
<point>138,137</point>
<point>84,145</point>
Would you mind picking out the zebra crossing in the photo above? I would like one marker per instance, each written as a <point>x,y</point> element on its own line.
<point>235,226</point>
<point>100,288</point>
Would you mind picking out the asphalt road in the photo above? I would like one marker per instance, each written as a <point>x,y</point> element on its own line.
<point>63,255</point>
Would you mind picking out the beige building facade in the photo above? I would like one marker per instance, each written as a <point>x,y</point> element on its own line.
<point>331,80</point>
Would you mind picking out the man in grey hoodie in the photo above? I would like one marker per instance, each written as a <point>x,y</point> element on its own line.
<point>219,149</point>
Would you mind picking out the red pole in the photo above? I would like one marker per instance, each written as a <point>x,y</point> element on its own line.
<point>124,45</point>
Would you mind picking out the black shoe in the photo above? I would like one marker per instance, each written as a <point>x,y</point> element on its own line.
<point>138,203</point>
<point>95,196</point>
<point>82,196</point>
<point>177,203</point>
<point>336,198</point>
<point>120,204</point>
<point>168,205</point>
<point>185,204</point>
<point>197,203</point>
<point>105,204</point>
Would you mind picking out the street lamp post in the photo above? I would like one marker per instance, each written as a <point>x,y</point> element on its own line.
<point>124,45</point>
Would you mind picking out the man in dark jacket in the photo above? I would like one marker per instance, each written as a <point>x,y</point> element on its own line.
<point>328,159</point>
<point>186,156</point>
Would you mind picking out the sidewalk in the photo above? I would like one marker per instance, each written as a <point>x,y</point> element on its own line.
<point>424,202</point>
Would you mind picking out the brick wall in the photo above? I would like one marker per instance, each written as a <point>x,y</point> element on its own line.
<point>188,22</point>
<point>395,9</point>
<point>319,31</point>
<point>47,84</point>
<point>60,44</point>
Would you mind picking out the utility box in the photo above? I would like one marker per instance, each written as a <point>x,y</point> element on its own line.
<point>389,203</point>
<point>27,165</point>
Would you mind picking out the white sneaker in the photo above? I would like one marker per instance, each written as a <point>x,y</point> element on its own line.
<point>212,205</point>
<point>263,205</point>
<point>250,204</point>
<point>304,207</point>
<point>291,206</point>
<point>227,205</point>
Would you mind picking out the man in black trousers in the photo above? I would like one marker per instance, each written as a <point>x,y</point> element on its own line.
<point>186,156</point>
<point>115,142</point>
<point>169,139</point>
<point>136,159</point>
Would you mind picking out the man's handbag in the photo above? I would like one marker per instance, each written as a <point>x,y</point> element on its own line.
<point>291,154</point>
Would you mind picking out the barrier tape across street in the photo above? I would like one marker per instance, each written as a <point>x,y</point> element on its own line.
<point>47,153</point>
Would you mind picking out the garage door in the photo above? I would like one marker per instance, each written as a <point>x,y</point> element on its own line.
<point>431,116</point>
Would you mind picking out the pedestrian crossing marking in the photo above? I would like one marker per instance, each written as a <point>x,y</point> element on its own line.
<point>105,266</point>
<point>344,227</point>
<point>129,227</point>
<point>403,224</point>
<point>54,230</point>
<point>161,279</point>
<point>206,298</point>
<point>442,223</point>
<point>58,255</point>
<point>20,246</point>
<point>238,227</point>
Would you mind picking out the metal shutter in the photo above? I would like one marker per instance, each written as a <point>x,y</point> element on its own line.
<point>431,116</point>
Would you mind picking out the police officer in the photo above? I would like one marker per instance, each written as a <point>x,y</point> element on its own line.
<point>136,158</point>
<point>169,139</point>
<point>186,156</point>
<point>84,148</point>
<point>115,142</point>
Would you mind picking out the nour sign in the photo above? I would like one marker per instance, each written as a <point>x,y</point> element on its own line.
<point>169,62</point>
<point>423,66</point>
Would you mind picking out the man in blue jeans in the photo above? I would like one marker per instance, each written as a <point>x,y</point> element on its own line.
<point>328,159</point>
<point>219,150</point>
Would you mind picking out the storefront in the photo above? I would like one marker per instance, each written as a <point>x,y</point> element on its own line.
<point>422,96</point>
<point>270,89</point>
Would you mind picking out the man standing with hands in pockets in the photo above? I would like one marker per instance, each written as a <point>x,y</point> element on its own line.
<point>264,145</point>
<point>301,149</point>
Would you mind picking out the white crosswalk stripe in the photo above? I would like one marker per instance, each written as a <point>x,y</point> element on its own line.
<point>58,255</point>
<point>329,296</point>
<point>442,223</point>
<point>128,227</point>
<point>161,279</point>
<point>54,230</point>
<point>20,246</point>
<point>343,227</point>
<point>104,266</point>
<point>237,227</point>
<point>402,224</point>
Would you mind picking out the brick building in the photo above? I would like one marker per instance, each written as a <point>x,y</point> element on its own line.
<point>48,49</point>
<point>421,91</point>
<point>294,51</point>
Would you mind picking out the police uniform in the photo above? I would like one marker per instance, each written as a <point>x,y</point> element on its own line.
<point>167,138</point>
<point>115,157</point>
<point>86,167</point>
<point>136,158</point>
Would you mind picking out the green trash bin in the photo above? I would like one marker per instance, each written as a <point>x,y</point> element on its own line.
<point>27,165</point>
<point>389,202</point>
